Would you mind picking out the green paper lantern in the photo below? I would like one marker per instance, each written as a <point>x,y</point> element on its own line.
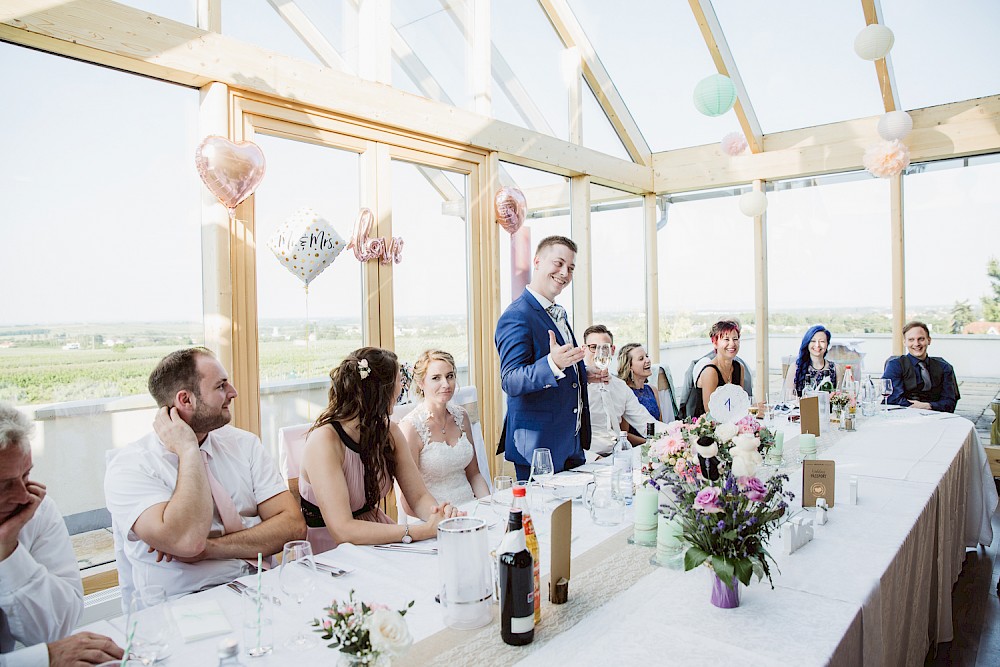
<point>714,95</point>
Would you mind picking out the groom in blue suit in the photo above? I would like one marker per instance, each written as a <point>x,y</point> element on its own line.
<point>541,367</point>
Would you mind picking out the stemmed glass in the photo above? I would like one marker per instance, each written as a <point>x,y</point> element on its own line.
<point>602,359</point>
<point>884,387</point>
<point>542,469</point>
<point>502,495</point>
<point>298,578</point>
<point>148,613</point>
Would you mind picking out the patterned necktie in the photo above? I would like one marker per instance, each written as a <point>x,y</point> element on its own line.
<point>925,375</point>
<point>231,520</point>
<point>558,313</point>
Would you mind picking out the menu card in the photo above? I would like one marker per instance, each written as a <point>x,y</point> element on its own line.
<point>817,482</point>
<point>562,535</point>
<point>809,415</point>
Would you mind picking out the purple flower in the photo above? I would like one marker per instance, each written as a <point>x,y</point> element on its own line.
<point>753,488</point>
<point>707,500</point>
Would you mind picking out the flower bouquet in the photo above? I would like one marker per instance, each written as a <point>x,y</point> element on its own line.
<point>724,511</point>
<point>406,375</point>
<point>367,633</point>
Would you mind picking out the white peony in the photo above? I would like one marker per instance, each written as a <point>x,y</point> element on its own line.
<point>388,632</point>
<point>726,432</point>
<point>746,458</point>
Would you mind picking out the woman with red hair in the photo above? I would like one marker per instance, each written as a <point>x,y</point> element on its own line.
<point>724,369</point>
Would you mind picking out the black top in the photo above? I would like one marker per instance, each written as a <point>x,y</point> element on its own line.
<point>737,379</point>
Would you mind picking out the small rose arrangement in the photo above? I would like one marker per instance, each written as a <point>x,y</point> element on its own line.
<point>406,374</point>
<point>841,399</point>
<point>672,449</point>
<point>367,631</point>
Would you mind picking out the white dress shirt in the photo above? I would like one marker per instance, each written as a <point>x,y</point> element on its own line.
<point>41,597</point>
<point>607,409</point>
<point>145,474</point>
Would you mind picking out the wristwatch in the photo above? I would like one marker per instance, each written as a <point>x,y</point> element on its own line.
<point>406,535</point>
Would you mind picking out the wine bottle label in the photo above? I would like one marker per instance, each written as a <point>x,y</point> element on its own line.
<point>519,624</point>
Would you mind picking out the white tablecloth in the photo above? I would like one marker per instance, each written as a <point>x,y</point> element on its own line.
<point>874,586</point>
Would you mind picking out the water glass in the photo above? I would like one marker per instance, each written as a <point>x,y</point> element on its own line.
<point>542,469</point>
<point>298,577</point>
<point>258,620</point>
<point>149,615</point>
<point>502,496</point>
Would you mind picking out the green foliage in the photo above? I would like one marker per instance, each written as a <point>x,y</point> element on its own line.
<point>961,314</point>
<point>991,304</point>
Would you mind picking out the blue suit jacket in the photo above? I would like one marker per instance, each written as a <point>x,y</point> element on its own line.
<point>541,411</point>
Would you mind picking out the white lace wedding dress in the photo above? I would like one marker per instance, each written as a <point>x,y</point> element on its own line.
<point>443,465</point>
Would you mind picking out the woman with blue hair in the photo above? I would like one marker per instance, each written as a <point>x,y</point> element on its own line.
<point>812,367</point>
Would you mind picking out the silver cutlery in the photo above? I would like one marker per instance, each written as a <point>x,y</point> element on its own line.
<point>239,587</point>
<point>407,549</point>
<point>332,569</point>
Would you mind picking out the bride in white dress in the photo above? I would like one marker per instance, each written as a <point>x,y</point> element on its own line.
<point>440,435</point>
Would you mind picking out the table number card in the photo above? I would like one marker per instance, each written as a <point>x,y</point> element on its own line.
<point>809,415</point>
<point>818,482</point>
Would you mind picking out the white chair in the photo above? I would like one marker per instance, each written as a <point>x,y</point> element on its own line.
<point>665,392</point>
<point>468,398</point>
<point>125,581</point>
<point>291,442</point>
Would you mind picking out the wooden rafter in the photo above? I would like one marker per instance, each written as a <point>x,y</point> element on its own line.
<point>715,40</point>
<point>309,33</point>
<point>571,33</point>
<point>883,66</point>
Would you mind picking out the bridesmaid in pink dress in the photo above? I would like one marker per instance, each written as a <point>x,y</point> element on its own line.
<point>352,455</point>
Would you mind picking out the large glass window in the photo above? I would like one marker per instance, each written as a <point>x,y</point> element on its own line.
<point>706,272</point>
<point>618,278</point>
<point>431,284</point>
<point>952,249</point>
<point>430,49</point>
<point>101,257</point>
<point>829,262</point>
<point>303,335</point>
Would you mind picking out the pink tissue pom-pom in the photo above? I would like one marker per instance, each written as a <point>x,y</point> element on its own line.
<point>886,158</point>
<point>734,143</point>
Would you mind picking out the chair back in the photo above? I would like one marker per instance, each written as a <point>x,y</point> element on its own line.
<point>125,581</point>
<point>400,410</point>
<point>665,392</point>
<point>291,443</point>
<point>468,398</point>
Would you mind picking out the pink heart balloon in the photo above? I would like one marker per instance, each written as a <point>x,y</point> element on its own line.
<point>510,207</point>
<point>230,171</point>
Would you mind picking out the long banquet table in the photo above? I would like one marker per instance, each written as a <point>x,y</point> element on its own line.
<point>873,587</point>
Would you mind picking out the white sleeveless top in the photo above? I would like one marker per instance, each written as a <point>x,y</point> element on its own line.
<point>443,465</point>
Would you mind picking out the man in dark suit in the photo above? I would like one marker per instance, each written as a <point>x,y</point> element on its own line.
<point>541,367</point>
<point>920,381</point>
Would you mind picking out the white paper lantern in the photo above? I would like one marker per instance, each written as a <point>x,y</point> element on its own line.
<point>895,125</point>
<point>753,203</point>
<point>873,42</point>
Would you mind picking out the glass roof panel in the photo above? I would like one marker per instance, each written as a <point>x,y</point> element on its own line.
<point>798,63</point>
<point>655,55</point>
<point>944,52</point>
<point>183,11</point>
<point>598,133</point>
<point>258,23</point>
<point>433,51</point>
<point>531,93</point>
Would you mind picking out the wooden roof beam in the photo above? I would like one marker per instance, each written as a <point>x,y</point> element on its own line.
<point>715,40</point>
<point>883,66</point>
<point>571,33</point>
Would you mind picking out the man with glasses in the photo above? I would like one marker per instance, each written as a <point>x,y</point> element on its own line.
<point>612,402</point>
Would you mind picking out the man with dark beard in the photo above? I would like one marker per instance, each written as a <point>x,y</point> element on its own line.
<point>195,497</point>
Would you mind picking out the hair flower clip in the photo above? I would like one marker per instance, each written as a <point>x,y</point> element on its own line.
<point>363,369</point>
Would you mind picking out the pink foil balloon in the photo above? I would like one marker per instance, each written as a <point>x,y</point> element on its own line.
<point>366,248</point>
<point>230,171</point>
<point>510,207</point>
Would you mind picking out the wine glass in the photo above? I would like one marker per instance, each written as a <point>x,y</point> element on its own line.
<point>602,359</point>
<point>148,614</point>
<point>542,469</point>
<point>297,579</point>
<point>884,387</point>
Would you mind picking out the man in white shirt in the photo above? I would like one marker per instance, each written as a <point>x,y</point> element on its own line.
<point>194,498</point>
<point>612,402</point>
<point>41,597</point>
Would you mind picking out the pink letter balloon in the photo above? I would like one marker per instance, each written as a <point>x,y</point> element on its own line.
<point>230,171</point>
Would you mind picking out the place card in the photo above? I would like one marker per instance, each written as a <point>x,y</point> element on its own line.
<point>809,415</point>
<point>818,482</point>
<point>198,620</point>
<point>561,539</point>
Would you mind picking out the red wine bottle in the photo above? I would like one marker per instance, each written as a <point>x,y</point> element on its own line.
<point>517,585</point>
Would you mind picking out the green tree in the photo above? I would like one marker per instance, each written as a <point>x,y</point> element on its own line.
<point>991,304</point>
<point>961,314</point>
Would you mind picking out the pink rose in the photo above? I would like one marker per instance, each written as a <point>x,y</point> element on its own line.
<point>707,500</point>
<point>752,488</point>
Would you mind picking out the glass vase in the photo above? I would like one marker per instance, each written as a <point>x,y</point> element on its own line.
<point>723,596</point>
<point>370,660</point>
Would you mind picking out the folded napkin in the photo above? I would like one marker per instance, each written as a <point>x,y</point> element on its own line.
<point>198,620</point>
